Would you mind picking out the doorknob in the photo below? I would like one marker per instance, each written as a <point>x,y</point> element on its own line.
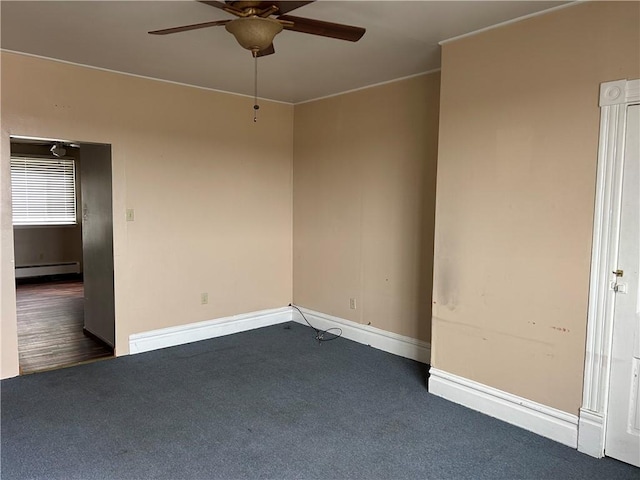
<point>618,273</point>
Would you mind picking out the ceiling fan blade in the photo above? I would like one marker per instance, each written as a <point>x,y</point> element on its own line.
<point>267,51</point>
<point>186,28</point>
<point>324,29</point>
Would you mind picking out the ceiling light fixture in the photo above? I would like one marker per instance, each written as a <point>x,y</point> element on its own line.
<point>255,34</point>
<point>58,150</point>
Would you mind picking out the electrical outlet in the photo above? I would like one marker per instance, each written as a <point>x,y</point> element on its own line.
<point>352,303</point>
<point>204,298</point>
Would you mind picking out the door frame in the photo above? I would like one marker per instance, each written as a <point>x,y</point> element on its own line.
<point>615,97</point>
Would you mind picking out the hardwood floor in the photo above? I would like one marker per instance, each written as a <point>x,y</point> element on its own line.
<point>50,322</point>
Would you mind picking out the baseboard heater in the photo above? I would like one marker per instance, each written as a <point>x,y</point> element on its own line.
<point>27,271</point>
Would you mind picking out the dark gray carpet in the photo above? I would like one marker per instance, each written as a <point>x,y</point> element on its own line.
<point>270,403</point>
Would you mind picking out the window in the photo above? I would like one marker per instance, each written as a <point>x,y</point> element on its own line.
<point>43,191</point>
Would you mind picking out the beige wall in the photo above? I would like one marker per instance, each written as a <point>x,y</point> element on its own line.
<point>364,179</point>
<point>211,191</point>
<point>516,179</point>
<point>41,245</point>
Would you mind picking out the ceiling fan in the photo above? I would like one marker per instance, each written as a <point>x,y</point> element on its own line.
<point>259,22</point>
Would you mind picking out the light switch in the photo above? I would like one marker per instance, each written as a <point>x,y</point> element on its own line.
<point>129,214</point>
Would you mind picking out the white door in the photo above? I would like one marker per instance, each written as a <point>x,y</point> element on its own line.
<point>97,241</point>
<point>622,439</point>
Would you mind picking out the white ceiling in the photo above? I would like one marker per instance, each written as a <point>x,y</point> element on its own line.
<point>401,40</point>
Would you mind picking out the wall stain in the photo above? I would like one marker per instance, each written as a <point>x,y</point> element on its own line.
<point>561,329</point>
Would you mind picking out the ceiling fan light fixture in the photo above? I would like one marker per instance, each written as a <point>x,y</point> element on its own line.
<point>254,33</point>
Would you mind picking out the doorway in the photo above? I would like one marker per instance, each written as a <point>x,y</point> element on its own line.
<point>63,252</point>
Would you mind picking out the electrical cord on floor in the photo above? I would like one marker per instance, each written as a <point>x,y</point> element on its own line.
<point>320,334</point>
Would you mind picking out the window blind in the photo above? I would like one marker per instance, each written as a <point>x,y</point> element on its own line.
<point>43,191</point>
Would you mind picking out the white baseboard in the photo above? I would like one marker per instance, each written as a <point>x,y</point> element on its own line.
<point>535,417</point>
<point>387,341</point>
<point>381,339</point>
<point>591,433</point>
<point>194,332</point>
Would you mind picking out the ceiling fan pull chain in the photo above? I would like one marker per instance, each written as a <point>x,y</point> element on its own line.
<point>255,87</point>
